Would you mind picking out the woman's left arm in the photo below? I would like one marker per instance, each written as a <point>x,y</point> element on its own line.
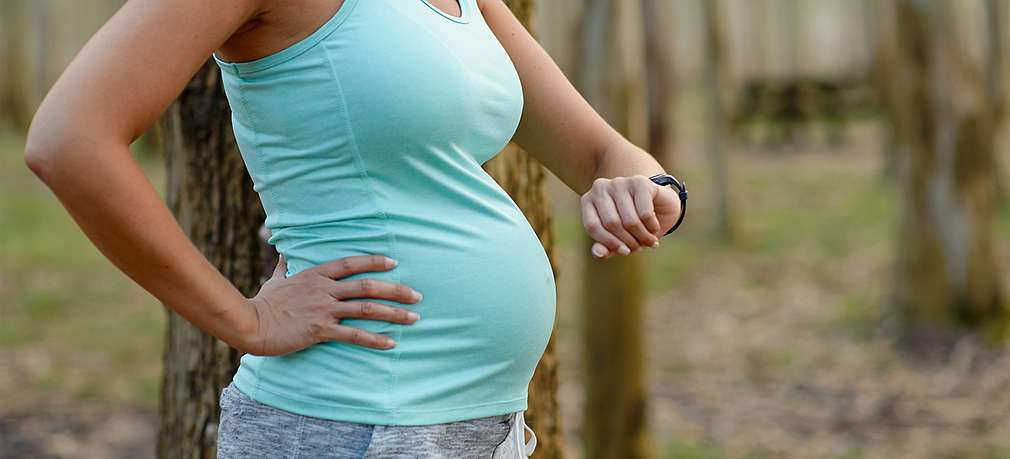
<point>622,210</point>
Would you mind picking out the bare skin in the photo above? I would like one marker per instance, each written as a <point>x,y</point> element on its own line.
<point>128,73</point>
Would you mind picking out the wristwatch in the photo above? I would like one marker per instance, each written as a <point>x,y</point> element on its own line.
<point>667,179</point>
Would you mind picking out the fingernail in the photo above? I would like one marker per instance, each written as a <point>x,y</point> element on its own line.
<point>390,262</point>
<point>599,251</point>
<point>390,342</point>
<point>655,245</point>
<point>623,250</point>
<point>416,295</point>
<point>413,316</point>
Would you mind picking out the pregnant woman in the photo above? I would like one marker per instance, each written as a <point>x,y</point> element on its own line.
<point>363,124</point>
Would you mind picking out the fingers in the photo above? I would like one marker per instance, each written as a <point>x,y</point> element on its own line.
<point>600,251</point>
<point>591,221</point>
<point>644,192</point>
<point>355,335</point>
<point>610,217</point>
<point>375,288</point>
<point>606,244</point>
<point>346,266</point>
<point>629,214</point>
<point>619,214</point>
<point>373,311</point>
<point>364,310</point>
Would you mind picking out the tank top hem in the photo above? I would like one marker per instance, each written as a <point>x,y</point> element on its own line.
<point>376,416</point>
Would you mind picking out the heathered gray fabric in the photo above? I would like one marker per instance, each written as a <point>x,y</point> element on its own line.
<point>250,429</point>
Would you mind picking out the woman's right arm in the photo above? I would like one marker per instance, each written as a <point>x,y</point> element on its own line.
<point>120,82</point>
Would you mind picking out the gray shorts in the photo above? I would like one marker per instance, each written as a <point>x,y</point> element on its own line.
<point>251,429</point>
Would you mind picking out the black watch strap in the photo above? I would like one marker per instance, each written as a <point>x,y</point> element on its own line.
<point>667,179</point>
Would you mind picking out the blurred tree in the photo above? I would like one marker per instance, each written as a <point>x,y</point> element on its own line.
<point>612,78</point>
<point>944,129</point>
<point>716,71</point>
<point>37,40</point>
<point>211,195</point>
<point>884,68</point>
<point>995,13</point>
<point>16,104</point>
<point>659,80</point>
<point>522,177</point>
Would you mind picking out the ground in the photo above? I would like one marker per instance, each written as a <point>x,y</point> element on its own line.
<point>778,344</point>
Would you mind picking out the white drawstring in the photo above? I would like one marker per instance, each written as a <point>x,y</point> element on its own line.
<point>520,427</point>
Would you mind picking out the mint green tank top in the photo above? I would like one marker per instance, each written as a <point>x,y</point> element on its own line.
<point>367,137</point>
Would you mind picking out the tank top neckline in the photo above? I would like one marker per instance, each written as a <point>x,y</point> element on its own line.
<point>464,11</point>
<point>292,50</point>
<point>329,26</point>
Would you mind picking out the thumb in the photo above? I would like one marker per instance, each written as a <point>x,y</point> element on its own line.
<point>281,269</point>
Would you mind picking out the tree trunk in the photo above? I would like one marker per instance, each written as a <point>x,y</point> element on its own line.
<point>886,85</point>
<point>659,80</point>
<point>995,13</point>
<point>211,195</point>
<point>522,177</point>
<point>943,119</point>
<point>715,75</point>
<point>16,91</point>
<point>611,78</point>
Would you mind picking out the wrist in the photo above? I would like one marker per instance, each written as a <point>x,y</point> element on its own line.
<point>665,179</point>
<point>237,322</point>
<point>621,158</point>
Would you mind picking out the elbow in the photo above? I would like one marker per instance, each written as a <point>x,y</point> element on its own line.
<point>39,158</point>
<point>49,138</point>
<point>41,145</point>
<point>65,156</point>
<point>47,150</point>
<point>46,154</point>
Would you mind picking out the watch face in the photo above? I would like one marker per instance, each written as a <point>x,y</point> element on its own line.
<point>666,179</point>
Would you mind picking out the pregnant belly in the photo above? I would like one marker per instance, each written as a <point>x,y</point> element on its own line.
<point>486,316</point>
<point>488,308</point>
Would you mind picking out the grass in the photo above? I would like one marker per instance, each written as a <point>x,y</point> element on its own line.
<point>79,327</point>
<point>786,315</point>
<point>692,450</point>
<point>84,328</point>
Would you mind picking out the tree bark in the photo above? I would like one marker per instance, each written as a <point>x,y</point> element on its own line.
<point>522,177</point>
<point>885,63</point>
<point>995,13</point>
<point>211,195</point>
<point>611,77</point>
<point>715,75</point>
<point>944,128</point>
<point>659,80</point>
